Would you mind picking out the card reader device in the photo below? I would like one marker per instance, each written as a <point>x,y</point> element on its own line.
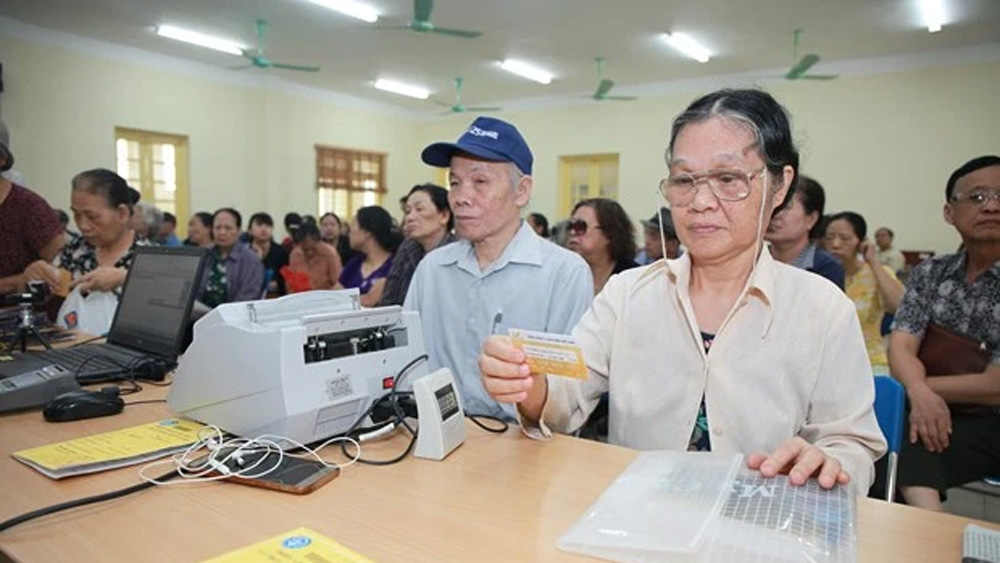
<point>305,366</point>
<point>442,420</point>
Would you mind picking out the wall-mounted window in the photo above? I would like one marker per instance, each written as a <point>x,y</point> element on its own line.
<point>586,176</point>
<point>156,164</point>
<point>348,179</point>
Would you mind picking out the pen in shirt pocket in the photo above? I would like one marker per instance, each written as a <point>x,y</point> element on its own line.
<point>497,319</point>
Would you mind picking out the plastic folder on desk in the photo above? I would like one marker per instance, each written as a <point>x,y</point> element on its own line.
<point>980,545</point>
<point>301,545</point>
<point>119,448</point>
<point>683,507</point>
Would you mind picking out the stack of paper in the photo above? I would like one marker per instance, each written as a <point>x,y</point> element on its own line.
<point>128,446</point>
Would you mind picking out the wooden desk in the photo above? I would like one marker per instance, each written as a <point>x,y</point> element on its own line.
<point>497,498</point>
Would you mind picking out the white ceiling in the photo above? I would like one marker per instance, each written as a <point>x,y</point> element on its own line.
<point>562,36</point>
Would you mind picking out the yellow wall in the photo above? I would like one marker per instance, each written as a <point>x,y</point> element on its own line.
<point>250,147</point>
<point>881,145</point>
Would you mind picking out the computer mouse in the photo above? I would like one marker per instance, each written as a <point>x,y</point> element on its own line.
<point>78,405</point>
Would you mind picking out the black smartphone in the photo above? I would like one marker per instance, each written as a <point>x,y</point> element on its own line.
<point>285,473</point>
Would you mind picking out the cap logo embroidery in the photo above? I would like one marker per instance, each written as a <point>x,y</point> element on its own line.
<point>483,133</point>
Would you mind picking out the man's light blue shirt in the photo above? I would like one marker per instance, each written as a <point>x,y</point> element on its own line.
<point>534,285</point>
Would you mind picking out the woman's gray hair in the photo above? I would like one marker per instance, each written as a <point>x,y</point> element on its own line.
<point>760,113</point>
<point>153,218</point>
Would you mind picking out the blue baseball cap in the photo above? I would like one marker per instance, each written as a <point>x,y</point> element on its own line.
<point>487,137</point>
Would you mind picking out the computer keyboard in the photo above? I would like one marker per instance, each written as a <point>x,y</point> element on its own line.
<point>85,360</point>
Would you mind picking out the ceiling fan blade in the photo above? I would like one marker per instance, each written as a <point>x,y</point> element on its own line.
<point>240,67</point>
<point>819,76</point>
<point>804,64</point>
<point>603,88</point>
<point>620,98</point>
<point>464,33</point>
<point>422,10</point>
<point>483,108</point>
<point>443,104</point>
<point>301,68</point>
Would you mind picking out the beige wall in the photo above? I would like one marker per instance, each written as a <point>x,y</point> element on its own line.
<point>881,145</point>
<point>250,147</point>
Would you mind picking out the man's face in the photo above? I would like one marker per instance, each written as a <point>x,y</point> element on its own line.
<point>482,198</point>
<point>976,222</point>
<point>883,239</point>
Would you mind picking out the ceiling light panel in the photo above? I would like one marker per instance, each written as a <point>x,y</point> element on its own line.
<point>525,70</point>
<point>402,89</point>
<point>688,46</point>
<point>357,10</point>
<point>932,12</point>
<point>199,39</point>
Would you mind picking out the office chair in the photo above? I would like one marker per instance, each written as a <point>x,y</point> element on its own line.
<point>890,408</point>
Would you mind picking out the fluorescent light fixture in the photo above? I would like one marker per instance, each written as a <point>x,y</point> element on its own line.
<point>351,8</point>
<point>402,89</point>
<point>199,39</point>
<point>687,45</point>
<point>933,12</point>
<point>524,69</point>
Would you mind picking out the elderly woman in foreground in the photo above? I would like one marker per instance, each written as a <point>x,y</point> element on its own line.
<point>723,349</point>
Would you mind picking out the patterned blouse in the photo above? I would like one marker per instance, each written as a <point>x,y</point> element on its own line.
<point>862,288</point>
<point>700,440</point>
<point>938,293</point>
<point>79,257</point>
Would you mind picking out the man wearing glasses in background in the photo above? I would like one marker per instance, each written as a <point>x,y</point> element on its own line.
<point>500,274</point>
<point>953,435</point>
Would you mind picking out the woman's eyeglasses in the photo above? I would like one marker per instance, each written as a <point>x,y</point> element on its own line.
<point>727,185</point>
<point>578,227</point>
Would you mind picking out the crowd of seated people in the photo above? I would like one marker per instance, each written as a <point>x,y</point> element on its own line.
<point>719,244</point>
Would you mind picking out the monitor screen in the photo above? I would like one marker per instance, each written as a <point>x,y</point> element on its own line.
<point>156,302</point>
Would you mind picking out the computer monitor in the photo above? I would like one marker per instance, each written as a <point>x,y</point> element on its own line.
<point>157,299</point>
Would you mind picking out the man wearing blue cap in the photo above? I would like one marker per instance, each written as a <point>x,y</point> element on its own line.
<point>500,274</point>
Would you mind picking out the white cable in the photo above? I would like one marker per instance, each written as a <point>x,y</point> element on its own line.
<point>214,466</point>
<point>377,433</point>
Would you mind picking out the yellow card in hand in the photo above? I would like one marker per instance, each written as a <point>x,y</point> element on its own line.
<point>554,354</point>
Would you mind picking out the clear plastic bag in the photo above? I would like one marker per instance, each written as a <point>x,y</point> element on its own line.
<point>662,504</point>
<point>697,508</point>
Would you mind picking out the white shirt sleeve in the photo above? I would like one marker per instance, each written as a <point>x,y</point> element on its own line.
<point>840,419</point>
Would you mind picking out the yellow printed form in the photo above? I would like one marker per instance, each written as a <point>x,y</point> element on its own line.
<point>112,449</point>
<point>301,545</point>
<point>553,354</point>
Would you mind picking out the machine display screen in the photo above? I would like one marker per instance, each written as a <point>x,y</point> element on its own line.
<point>447,402</point>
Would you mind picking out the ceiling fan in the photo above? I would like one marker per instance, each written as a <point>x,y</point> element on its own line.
<point>259,59</point>
<point>801,66</point>
<point>421,22</point>
<point>457,106</point>
<point>605,85</point>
